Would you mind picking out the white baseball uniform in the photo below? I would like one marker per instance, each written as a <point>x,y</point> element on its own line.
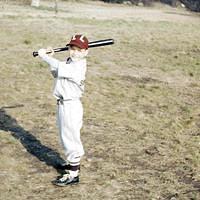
<point>69,77</point>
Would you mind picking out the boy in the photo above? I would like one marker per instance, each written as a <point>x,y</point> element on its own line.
<point>69,86</point>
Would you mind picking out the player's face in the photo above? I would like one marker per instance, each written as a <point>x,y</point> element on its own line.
<point>77,53</point>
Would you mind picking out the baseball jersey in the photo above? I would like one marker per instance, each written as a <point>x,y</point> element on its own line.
<point>69,77</point>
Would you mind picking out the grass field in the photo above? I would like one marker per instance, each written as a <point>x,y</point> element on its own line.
<point>141,128</point>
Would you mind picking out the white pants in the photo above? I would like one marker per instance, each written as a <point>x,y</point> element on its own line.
<point>69,120</point>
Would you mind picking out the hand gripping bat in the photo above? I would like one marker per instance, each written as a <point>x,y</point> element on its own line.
<point>97,43</point>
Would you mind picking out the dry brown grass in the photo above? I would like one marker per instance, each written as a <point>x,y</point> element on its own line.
<point>141,123</point>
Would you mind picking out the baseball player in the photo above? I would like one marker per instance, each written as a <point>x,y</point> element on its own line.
<point>69,86</point>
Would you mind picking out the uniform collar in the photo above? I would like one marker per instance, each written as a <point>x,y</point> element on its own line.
<point>69,60</point>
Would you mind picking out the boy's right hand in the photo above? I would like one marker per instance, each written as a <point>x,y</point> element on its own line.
<point>50,49</point>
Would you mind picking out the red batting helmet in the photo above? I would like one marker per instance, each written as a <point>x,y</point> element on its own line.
<point>80,41</point>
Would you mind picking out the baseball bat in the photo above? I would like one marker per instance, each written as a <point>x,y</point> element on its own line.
<point>97,43</point>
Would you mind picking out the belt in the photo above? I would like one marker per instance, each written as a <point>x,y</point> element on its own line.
<point>61,101</point>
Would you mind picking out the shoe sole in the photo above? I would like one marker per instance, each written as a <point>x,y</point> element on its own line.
<point>64,185</point>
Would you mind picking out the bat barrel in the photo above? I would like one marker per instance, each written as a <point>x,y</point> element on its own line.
<point>101,43</point>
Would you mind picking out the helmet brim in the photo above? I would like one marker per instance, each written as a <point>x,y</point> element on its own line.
<point>74,43</point>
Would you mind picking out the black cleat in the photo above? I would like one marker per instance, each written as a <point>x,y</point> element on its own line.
<point>65,180</point>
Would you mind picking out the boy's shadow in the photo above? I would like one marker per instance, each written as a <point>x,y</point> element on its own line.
<point>29,141</point>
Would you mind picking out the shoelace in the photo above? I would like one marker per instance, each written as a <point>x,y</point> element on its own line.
<point>65,177</point>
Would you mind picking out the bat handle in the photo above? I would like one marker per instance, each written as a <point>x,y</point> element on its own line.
<point>35,53</point>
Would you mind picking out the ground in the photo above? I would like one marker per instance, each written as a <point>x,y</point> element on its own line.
<point>141,129</point>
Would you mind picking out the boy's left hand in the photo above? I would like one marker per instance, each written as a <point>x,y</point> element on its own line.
<point>42,52</point>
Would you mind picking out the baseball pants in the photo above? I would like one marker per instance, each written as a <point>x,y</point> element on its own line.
<point>69,120</point>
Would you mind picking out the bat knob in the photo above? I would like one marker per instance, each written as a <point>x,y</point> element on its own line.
<point>35,53</point>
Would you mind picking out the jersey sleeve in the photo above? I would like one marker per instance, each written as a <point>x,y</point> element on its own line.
<point>53,63</point>
<point>67,71</point>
